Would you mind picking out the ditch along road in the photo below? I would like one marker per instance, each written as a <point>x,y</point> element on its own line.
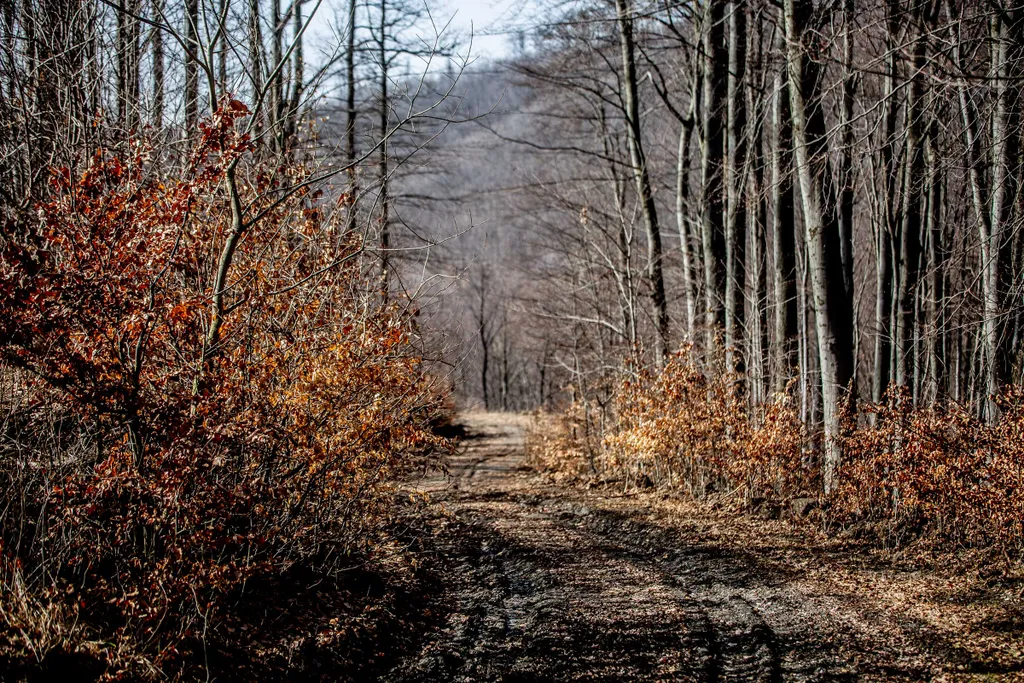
<point>541,582</point>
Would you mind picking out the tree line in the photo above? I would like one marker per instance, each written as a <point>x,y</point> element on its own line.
<point>826,195</point>
<point>336,82</point>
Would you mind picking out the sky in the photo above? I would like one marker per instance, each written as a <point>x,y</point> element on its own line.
<point>488,22</point>
<point>486,19</point>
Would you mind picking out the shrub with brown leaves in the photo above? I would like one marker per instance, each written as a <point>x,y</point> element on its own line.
<point>157,468</point>
<point>935,472</point>
<point>938,470</point>
<point>685,429</point>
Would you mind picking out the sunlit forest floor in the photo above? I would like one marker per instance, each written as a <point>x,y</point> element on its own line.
<point>538,581</point>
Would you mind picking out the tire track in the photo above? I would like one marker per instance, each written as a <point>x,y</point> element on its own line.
<point>542,588</point>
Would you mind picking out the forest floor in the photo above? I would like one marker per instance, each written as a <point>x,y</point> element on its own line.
<point>542,582</point>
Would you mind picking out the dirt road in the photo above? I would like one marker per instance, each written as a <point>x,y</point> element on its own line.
<point>546,583</point>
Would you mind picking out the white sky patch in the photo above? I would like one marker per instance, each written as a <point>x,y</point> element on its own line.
<point>487,20</point>
<point>490,23</point>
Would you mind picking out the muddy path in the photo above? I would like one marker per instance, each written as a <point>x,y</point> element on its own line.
<point>547,583</point>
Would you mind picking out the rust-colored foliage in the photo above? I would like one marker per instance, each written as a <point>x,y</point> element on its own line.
<point>208,466</point>
<point>694,432</point>
<point>936,471</point>
<point>687,430</point>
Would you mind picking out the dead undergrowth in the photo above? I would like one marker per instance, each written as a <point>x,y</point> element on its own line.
<point>912,478</point>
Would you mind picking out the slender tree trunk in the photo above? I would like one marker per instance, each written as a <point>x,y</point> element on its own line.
<point>222,47</point>
<point>846,179</point>
<point>257,56</point>
<point>485,338</point>
<point>682,219</point>
<point>297,79</point>
<point>623,269</point>
<point>542,368</point>
<point>883,313</point>
<point>485,367</point>
<point>910,226</point>
<point>755,296</point>
<point>931,328</point>
<point>384,199</point>
<point>715,61</point>
<point>275,109</point>
<point>506,375</point>
<point>735,160</point>
<point>191,67</point>
<point>832,311</point>
<point>936,269</point>
<point>127,64</point>
<point>159,87</point>
<point>786,325</point>
<point>998,214</point>
<point>350,115</point>
<point>805,339</point>
<point>644,190</point>
<point>886,225</point>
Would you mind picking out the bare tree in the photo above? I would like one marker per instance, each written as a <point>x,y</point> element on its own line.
<point>831,303</point>
<point>641,174</point>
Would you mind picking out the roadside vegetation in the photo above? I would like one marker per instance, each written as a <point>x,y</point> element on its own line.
<point>210,395</point>
<point>935,474</point>
<point>173,460</point>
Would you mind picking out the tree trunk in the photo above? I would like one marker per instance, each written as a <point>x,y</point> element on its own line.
<point>191,67</point>
<point>682,220</point>
<point>350,115</point>
<point>127,64</point>
<point>846,197</point>
<point>297,79</point>
<point>623,268</point>
<point>998,214</point>
<point>832,308</point>
<point>257,57</point>
<point>159,87</point>
<point>715,61</point>
<point>222,51</point>
<point>755,285</point>
<point>786,324</point>
<point>275,110</point>
<point>735,161</point>
<point>886,226</point>
<point>644,190</point>
<point>384,199</point>
<point>911,225</point>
